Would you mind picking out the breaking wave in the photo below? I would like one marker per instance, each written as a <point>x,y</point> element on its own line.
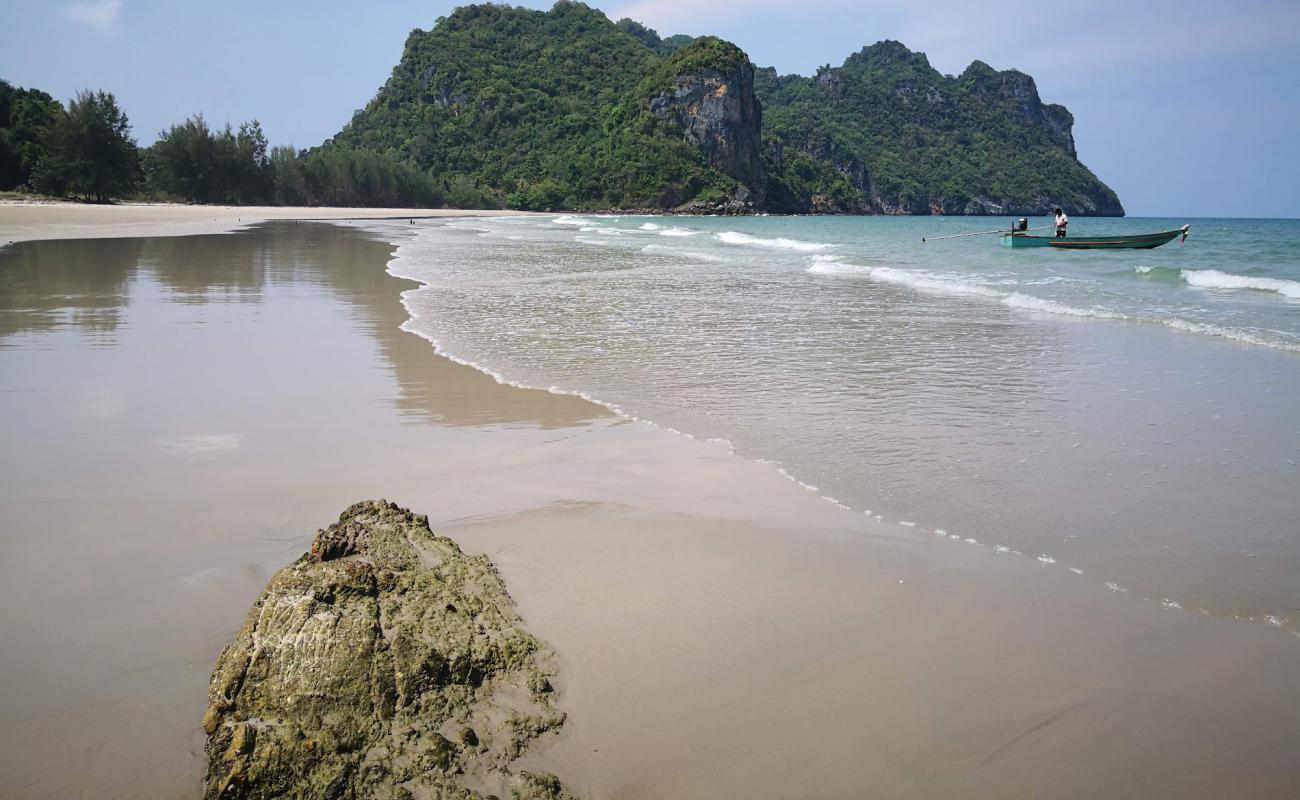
<point>1214,279</point>
<point>778,243</point>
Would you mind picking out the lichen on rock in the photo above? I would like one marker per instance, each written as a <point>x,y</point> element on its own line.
<point>384,663</point>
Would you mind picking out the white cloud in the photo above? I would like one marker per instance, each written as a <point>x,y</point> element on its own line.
<point>98,14</point>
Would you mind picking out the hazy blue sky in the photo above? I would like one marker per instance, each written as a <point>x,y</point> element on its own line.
<point>1184,108</point>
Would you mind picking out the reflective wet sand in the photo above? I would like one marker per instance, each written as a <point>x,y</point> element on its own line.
<point>180,414</point>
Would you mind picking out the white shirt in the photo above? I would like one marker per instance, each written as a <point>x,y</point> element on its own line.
<point>1062,220</point>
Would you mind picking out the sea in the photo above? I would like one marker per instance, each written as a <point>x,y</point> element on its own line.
<point>1128,418</point>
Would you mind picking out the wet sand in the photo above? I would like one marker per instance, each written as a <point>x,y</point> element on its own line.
<point>24,220</point>
<point>180,414</point>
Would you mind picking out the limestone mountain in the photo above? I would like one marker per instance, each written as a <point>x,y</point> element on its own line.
<point>565,109</point>
<point>910,140</point>
<point>545,110</point>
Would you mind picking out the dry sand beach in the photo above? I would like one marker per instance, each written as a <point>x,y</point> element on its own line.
<point>186,403</point>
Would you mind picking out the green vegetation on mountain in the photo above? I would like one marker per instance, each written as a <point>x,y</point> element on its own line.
<point>539,109</point>
<point>911,140</point>
<point>651,39</point>
<point>564,109</point>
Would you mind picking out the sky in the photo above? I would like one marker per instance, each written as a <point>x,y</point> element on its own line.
<point>1184,108</point>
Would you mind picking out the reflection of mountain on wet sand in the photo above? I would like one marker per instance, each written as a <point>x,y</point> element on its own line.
<point>84,285</point>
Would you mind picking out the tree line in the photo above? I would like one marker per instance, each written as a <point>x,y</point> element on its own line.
<point>86,150</point>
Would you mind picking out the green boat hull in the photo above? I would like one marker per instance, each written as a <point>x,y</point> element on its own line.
<point>1140,241</point>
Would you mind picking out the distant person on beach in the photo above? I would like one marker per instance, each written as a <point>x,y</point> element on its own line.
<point>1061,222</point>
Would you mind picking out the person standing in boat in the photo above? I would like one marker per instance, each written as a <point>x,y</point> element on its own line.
<point>1061,222</point>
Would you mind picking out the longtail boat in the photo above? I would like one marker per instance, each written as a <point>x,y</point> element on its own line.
<point>1134,241</point>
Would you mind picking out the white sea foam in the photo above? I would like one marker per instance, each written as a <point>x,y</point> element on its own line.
<point>1046,559</point>
<point>778,243</point>
<point>938,283</point>
<point>649,226</point>
<point>569,219</point>
<point>915,279</point>
<point>1236,334</point>
<point>1214,279</point>
<point>694,255</point>
<point>596,241</point>
<point>1031,303</point>
<point>677,232</point>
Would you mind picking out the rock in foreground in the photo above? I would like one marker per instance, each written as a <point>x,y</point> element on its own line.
<point>384,663</point>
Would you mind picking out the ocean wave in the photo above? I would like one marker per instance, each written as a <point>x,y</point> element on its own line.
<point>1214,279</point>
<point>1031,303</point>
<point>569,219</point>
<point>934,283</point>
<point>691,254</point>
<point>1235,334</point>
<point>923,281</point>
<point>681,232</point>
<point>778,243</point>
<point>1157,273</point>
<point>650,226</point>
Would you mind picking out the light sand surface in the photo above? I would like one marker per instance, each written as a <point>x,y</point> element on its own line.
<point>22,221</point>
<point>181,414</point>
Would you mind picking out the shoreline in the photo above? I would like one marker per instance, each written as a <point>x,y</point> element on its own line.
<point>721,629</point>
<point>23,220</point>
<point>913,525</point>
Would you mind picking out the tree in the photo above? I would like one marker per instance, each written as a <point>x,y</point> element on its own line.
<point>25,119</point>
<point>192,161</point>
<point>256,175</point>
<point>91,150</point>
<point>181,161</point>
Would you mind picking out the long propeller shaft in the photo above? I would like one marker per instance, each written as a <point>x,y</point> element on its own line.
<point>982,233</point>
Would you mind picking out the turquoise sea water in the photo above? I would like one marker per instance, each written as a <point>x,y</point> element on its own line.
<point>1130,418</point>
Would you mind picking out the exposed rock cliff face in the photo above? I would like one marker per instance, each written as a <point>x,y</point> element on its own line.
<point>384,663</point>
<point>990,86</point>
<point>716,108</point>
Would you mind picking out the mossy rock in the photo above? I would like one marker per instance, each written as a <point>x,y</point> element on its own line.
<point>362,665</point>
